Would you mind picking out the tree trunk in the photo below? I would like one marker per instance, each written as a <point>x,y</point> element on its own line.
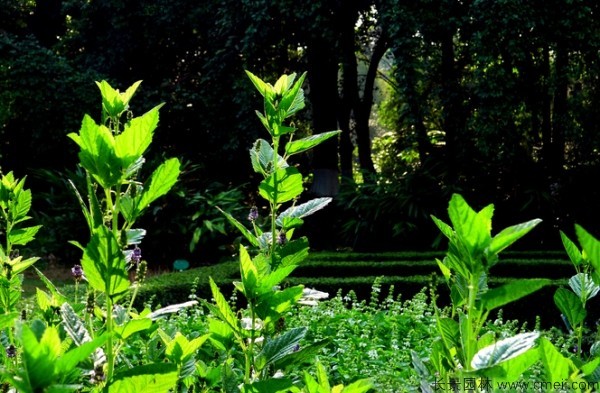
<point>364,106</point>
<point>349,93</point>
<point>454,118</point>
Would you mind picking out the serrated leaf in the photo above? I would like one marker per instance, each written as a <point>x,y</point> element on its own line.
<point>570,306</point>
<point>512,369</point>
<point>249,273</point>
<point>282,185</point>
<point>22,236</point>
<point>449,332</point>
<point>508,293</point>
<point>59,297</point>
<point>590,245</point>
<point>503,350</point>
<point>509,235</point>
<point>572,250</point>
<point>223,310</point>
<point>162,180</point>
<point>584,286</point>
<point>444,228</point>
<point>69,360</point>
<point>304,144</point>
<point>76,329</point>
<point>261,156</point>
<point>263,88</point>
<point>19,265</point>
<point>136,137</point>
<point>104,264</point>
<point>275,349</point>
<point>557,367</point>
<point>305,355</point>
<point>302,210</point>
<point>133,326</point>
<point>240,227</point>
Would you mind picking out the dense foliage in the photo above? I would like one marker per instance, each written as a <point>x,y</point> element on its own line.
<point>502,111</point>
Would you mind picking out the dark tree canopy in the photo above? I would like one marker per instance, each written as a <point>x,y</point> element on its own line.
<point>497,99</point>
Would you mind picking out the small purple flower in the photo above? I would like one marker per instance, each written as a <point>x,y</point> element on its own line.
<point>77,272</point>
<point>11,351</point>
<point>253,215</point>
<point>136,257</point>
<point>281,238</point>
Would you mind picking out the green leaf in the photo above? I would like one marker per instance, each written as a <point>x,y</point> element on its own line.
<point>303,210</point>
<point>223,310</point>
<point>360,386</point>
<point>293,99</point>
<point>282,185</point>
<point>514,290</point>
<point>590,245</point>
<point>572,250</point>
<point>157,377</point>
<point>136,137</point>
<point>263,88</point>
<point>584,286</point>
<point>444,228</point>
<point>294,252</point>
<point>113,101</point>
<point>23,236</point>
<point>249,273</point>
<point>19,265</point>
<point>161,181</point>
<point>513,369</point>
<point>449,331</point>
<point>104,264</point>
<point>570,305</point>
<point>261,156</point>
<point>97,152</point>
<point>39,356</point>
<point>304,144</point>
<point>275,278</point>
<point>247,234</point>
<point>472,228</point>
<point>21,204</point>
<point>275,349</point>
<point>7,320</point>
<point>304,356</point>
<point>558,368</point>
<point>504,350</point>
<point>509,235</point>
<point>133,326</point>
<point>66,363</point>
<point>76,329</point>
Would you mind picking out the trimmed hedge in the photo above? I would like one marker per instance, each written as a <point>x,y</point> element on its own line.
<point>176,287</point>
<point>331,272</point>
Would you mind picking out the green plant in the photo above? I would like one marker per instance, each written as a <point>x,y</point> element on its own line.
<point>584,285</point>
<point>465,349</point>
<point>260,340</point>
<point>112,155</point>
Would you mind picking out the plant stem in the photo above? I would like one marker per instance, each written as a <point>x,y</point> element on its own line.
<point>273,203</point>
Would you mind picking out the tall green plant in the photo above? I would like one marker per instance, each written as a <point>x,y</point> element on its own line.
<point>464,350</point>
<point>258,330</point>
<point>15,203</point>
<point>112,155</point>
